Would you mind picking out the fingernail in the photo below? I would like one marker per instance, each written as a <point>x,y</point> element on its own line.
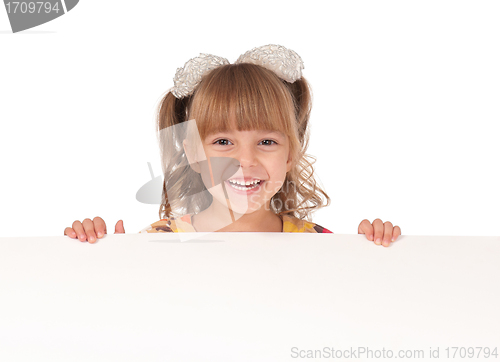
<point>91,239</point>
<point>386,243</point>
<point>377,241</point>
<point>393,238</point>
<point>82,237</point>
<point>99,234</point>
<point>370,237</point>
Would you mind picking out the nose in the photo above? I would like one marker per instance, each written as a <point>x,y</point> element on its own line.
<point>247,156</point>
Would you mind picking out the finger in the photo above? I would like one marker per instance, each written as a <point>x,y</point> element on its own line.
<point>119,229</point>
<point>78,227</point>
<point>70,232</point>
<point>88,226</point>
<point>396,232</point>
<point>99,226</point>
<point>387,233</point>
<point>378,227</point>
<point>365,227</point>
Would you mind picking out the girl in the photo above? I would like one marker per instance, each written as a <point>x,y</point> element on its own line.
<point>233,140</point>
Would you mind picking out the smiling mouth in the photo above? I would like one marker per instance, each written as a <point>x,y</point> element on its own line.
<point>250,186</point>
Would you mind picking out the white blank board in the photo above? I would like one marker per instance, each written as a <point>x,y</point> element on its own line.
<point>245,297</point>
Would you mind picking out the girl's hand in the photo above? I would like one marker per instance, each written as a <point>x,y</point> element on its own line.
<point>384,232</point>
<point>88,229</point>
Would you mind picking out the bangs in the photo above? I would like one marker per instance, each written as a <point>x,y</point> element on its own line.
<point>243,97</point>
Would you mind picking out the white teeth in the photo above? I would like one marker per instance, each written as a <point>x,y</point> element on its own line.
<point>235,184</point>
<point>243,188</point>
<point>244,183</point>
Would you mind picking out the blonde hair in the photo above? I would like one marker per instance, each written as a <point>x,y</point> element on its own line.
<point>258,99</point>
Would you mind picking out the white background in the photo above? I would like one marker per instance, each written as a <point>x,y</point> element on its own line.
<point>404,122</point>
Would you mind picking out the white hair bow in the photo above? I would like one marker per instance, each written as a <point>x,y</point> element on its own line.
<point>284,62</point>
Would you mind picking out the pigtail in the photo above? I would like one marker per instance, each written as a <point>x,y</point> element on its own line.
<point>179,179</point>
<point>302,97</point>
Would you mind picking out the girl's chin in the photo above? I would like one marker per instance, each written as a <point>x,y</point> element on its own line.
<point>240,201</point>
<point>239,206</point>
<point>242,209</point>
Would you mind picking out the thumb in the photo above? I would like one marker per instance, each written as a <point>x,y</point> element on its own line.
<point>365,227</point>
<point>119,229</point>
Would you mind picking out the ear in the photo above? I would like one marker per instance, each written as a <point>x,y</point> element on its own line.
<point>191,156</point>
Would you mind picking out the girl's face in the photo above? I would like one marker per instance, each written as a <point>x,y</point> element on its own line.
<point>259,156</point>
